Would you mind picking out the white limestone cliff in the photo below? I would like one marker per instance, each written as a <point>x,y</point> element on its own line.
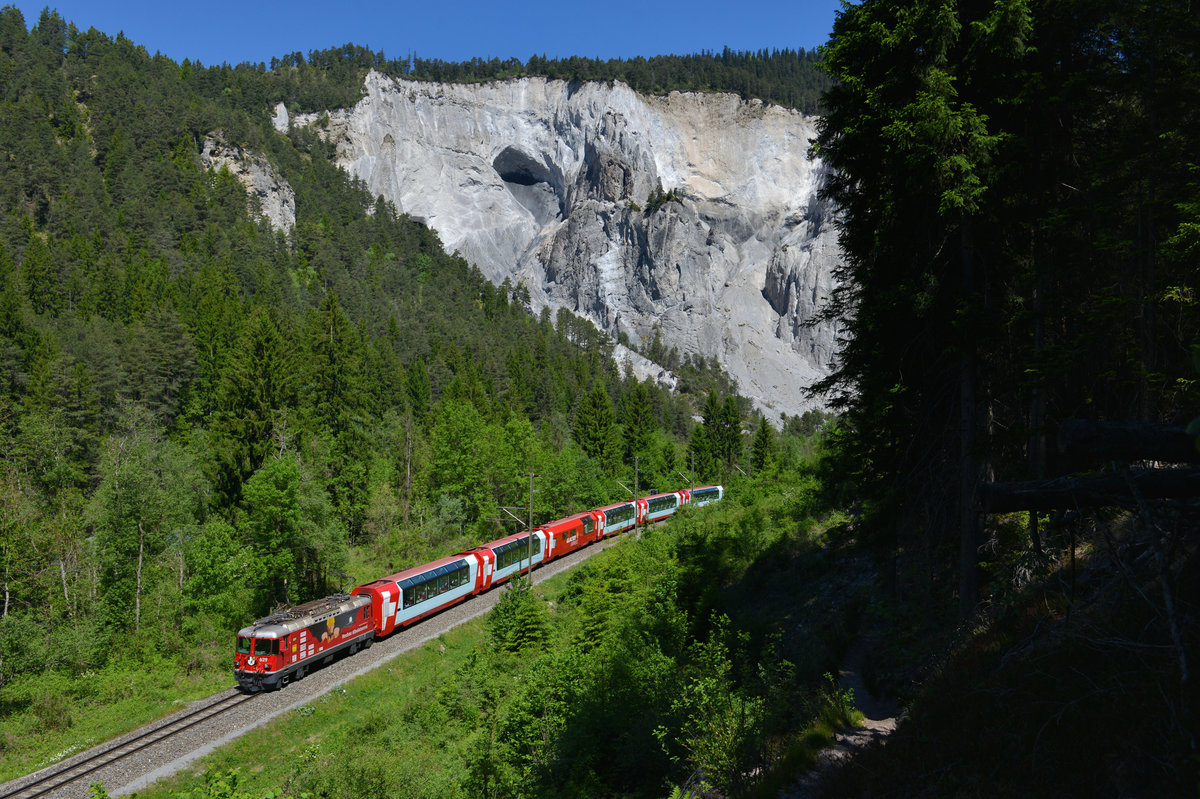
<point>550,183</point>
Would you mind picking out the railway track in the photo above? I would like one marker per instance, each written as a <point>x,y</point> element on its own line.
<point>59,776</point>
<point>122,774</point>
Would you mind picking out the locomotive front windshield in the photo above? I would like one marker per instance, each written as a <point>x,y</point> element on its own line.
<point>243,645</point>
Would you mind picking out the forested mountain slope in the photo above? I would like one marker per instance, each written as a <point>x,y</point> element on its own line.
<point>201,412</point>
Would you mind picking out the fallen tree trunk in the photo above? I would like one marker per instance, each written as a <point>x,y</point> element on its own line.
<point>1126,441</point>
<point>1065,493</point>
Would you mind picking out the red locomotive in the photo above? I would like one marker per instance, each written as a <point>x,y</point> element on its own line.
<point>287,644</point>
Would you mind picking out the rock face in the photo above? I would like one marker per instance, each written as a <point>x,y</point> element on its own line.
<point>692,214</point>
<point>275,197</point>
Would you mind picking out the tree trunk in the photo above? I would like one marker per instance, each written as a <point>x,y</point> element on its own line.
<point>62,575</point>
<point>137,602</point>
<point>1098,491</point>
<point>968,583</point>
<point>1037,403</point>
<point>408,437</point>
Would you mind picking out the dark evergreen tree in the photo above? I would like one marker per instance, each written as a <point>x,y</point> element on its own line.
<point>993,176</point>
<point>255,409</point>
<point>762,450</point>
<point>594,422</point>
<point>334,391</point>
<point>638,422</point>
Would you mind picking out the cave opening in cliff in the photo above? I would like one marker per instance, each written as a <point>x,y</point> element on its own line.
<point>531,184</point>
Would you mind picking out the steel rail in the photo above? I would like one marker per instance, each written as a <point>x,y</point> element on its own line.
<point>72,771</point>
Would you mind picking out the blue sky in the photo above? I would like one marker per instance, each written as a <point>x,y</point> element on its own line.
<point>221,31</point>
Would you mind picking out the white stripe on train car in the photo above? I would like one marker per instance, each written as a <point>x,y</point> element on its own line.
<point>389,607</point>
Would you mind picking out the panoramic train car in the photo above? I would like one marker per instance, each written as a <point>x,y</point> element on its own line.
<point>705,494</point>
<point>660,506</point>
<point>287,644</point>
<point>617,518</point>
<point>408,596</point>
<point>569,534</point>
<point>290,642</point>
<point>504,557</point>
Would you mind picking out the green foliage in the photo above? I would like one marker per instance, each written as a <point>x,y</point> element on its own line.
<point>226,786</point>
<point>658,198</point>
<point>717,443</point>
<point>162,349</point>
<point>518,621</point>
<point>787,77</point>
<point>148,490</point>
<point>1008,177</point>
<point>50,716</point>
<point>638,422</point>
<point>718,722</point>
<point>762,449</point>
<point>222,574</point>
<point>203,417</point>
<point>290,526</point>
<point>594,425</point>
<point>258,387</point>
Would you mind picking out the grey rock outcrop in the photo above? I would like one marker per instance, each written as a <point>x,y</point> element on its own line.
<point>281,121</point>
<point>274,196</point>
<point>691,215</point>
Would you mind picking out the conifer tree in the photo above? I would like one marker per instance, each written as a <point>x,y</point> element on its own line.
<point>763,448</point>
<point>594,422</point>
<point>258,389</point>
<point>335,393</point>
<point>638,421</point>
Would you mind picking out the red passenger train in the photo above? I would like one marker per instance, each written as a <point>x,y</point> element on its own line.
<point>287,644</point>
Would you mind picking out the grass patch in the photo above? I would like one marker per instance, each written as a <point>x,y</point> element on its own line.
<point>52,716</point>
<point>410,726</point>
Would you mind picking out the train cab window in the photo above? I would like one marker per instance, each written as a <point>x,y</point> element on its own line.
<point>266,646</point>
<point>243,645</point>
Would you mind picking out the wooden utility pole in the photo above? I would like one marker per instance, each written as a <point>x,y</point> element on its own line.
<point>530,542</point>
<point>636,462</point>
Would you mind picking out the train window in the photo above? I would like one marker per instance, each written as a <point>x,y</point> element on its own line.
<point>513,552</point>
<point>433,585</point>
<point>587,525</point>
<point>620,515</point>
<point>662,503</point>
<point>243,645</point>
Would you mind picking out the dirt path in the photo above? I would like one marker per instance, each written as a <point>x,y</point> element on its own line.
<point>878,723</point>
